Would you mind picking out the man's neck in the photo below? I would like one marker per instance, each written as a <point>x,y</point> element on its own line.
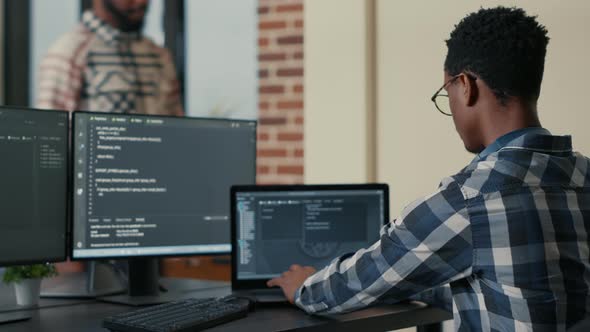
<point>513,116</point>
<point>104,14</point>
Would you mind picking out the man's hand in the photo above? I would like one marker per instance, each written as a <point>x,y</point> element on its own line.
<point>291,280</point>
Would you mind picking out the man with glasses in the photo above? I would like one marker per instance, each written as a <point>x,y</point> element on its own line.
<point>509,232</point>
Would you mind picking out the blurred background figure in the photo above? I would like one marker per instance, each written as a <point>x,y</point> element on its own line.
<point>106,64</point>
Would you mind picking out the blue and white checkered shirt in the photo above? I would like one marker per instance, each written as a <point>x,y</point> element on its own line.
<point>509,233</point>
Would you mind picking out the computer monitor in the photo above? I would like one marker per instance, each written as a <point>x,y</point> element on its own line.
<point>276,226</point>
<point>154,186</point>
<point>33,186</point>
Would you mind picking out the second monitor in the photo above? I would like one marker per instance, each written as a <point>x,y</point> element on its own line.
<point>156,186</point>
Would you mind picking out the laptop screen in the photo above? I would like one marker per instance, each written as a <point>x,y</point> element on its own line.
<point>278,228</point>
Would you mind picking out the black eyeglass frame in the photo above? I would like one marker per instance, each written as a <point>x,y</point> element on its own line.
<point>438,94</point>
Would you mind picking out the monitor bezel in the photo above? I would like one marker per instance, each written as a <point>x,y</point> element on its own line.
<point>164,255</point>
<point>67,161</point>
<point>246,284</point>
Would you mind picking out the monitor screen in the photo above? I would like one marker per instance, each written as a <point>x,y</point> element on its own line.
<point>33,185</point>
<point>156,186</point>
<point>275,229</point>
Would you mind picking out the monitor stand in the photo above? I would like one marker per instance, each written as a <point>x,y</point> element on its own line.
<point>144,288</point>
<point>9,317</point>
<point>99,279</point>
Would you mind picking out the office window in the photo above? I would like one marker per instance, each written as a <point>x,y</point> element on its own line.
<point>221,58</point>
<point>49,20</point>
<point>154,23</point>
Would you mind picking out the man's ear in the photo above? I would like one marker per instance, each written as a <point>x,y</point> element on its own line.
<point>470,90</point>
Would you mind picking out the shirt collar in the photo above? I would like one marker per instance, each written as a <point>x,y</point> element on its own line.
<point>532,139</point>
<point>105,31</point>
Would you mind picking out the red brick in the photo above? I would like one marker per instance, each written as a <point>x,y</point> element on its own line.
<point>290,137</point>
<point>285,72</point>
<point>290,40</point>
<point>263,105</point>
<point>299,153</point>
<point>292,104</point>
<point>271,153</point>
<point>272,120</point>
<point>270,25</point>
<point>262,73</point>
<point>262,170</point>
<point>262,42</point>
<point>265,182</point>
<point>272,56</point>
<point>290,8</point>
<point>271,89</point>
<point>290,169</point>
<point>280,129</point>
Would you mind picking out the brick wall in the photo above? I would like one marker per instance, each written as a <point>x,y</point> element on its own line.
<point>280,59</point>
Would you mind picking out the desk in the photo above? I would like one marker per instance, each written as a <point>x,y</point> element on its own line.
<point>88,315</point>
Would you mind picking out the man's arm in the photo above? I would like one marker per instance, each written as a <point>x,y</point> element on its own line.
<point>430,245</point>
<point>170,87</point>
<point>61,72</point>
<point>59,83</point>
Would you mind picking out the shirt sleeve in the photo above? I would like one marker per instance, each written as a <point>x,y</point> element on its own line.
<point>170,87</point>
<point>59,82</point>
<point>428,246</point>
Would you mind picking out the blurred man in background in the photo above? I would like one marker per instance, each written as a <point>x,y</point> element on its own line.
<point>105,64</point>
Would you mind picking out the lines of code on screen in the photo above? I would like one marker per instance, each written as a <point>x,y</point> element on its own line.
<point>157,185</point>
<point>277,229</point>
<point>33,185</point>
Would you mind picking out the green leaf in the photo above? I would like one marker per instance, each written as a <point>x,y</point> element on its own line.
<point>18,273</point>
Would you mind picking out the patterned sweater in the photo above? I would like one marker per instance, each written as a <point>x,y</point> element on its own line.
<point>96,67</point>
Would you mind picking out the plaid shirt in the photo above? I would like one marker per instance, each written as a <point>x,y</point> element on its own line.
<point>99,68</point>
<point>509,233</point>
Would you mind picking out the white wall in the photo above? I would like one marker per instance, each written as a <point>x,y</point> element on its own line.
<point>337,108</point>
<point>221,58</point>
<point>417,145</point>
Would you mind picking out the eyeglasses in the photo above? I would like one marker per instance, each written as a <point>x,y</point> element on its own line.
<point>441,100</point>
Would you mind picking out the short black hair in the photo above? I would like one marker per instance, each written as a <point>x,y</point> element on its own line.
<point>504,47</point>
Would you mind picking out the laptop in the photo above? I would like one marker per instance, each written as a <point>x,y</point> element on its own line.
<point>273,227</point>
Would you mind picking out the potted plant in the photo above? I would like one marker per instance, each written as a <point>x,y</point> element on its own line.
<point>27,281</point>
